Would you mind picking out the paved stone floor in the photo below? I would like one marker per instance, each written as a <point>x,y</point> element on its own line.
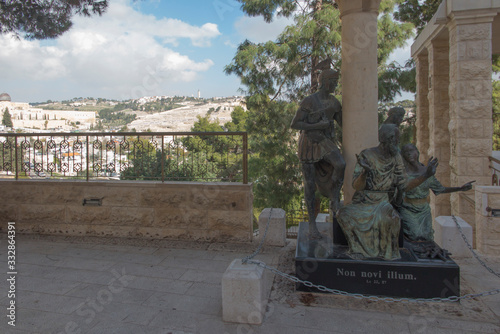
<point>110,286</point>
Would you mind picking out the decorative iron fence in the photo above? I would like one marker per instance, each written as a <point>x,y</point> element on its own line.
<point>293,219</point>
<point>160,156</point>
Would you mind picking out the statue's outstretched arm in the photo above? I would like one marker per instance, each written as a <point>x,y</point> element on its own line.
<point>465,187</point>
<point>430,171</point>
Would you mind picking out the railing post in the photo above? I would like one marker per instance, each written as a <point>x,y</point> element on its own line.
<point>245,158</point>
<point>162,159</point>
<point>15,162</point>
<point>87,156</point>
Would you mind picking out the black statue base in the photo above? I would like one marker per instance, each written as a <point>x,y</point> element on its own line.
<point>413,276</point>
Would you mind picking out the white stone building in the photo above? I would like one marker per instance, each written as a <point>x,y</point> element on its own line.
<point>453,57</point>
<point>25,116</point>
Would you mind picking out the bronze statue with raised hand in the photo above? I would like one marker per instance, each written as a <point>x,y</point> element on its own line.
<point>322,163</point>
<point>415,211</point>
<point>370,223</point>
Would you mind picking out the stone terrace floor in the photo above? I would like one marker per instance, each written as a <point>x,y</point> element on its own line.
<point>76,285</point>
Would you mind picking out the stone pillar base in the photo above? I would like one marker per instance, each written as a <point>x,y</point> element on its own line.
<point>244,296</point>
<point>276,234</point>
<point>448,236</point>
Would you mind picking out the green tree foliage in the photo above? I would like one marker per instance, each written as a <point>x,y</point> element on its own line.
<point>394,78</point>
<point>274,166</point>
<point>178,164</point>
<point>417,12</point>
<point>496,115</point>
<point>278,74</point>
<point>222,152</point>
<point>43,19</point>
<point>496,104</point>
<point>407,128</point>
<point>238,120</point>
<point>148,167</point>
<point>109,115</point>
<point>205,125</point>
<point>7,119</point>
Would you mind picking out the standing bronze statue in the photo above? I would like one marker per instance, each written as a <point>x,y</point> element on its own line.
<point>395,115</point>
<point>322,163</point>
<point>415,211</point>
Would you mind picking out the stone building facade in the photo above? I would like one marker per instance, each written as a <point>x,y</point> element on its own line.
<point>453,57</point>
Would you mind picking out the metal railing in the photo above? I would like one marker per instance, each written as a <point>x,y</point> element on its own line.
<point>495,171</point>
<point>160,156</point>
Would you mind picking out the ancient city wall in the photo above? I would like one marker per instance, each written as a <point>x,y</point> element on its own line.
<point>215,212</point>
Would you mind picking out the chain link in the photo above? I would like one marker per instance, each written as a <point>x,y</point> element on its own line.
<point>259,248</point>
<point>472,250</point>
<point>370,297</point>
<point>323,288</point>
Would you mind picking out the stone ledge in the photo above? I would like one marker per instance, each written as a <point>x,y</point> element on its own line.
<point>208,211</point>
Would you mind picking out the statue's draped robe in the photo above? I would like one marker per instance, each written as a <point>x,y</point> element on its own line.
<point>370,223</point>
<point>415,211</point>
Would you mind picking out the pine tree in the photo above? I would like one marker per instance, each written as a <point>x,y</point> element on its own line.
<point>44,19</point>
<point>7,119</point>
<point>279,74</point>
<point>417,12</point>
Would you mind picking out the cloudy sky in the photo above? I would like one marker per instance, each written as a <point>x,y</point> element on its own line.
<point>137,48</point>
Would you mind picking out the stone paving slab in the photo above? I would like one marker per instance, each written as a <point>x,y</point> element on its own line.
<point>73,286</point>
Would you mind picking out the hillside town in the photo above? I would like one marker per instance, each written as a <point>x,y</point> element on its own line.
<point>143,114</point>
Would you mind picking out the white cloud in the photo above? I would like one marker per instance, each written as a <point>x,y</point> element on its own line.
<point>257,30</point>
<point>122,53</point>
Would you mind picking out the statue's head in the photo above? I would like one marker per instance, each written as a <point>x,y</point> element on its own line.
<point>388,137</point>
<point>410,153</point>
<point>328,79</point>
<point>395,115</point>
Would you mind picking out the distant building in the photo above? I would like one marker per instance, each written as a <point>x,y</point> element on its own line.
<point>24,116</point>
<point>4,97</point>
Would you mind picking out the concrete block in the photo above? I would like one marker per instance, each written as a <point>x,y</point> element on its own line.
<point>448,236</point>
<point>244,293</point>
<point>323,218</point>
<point>276,234</point>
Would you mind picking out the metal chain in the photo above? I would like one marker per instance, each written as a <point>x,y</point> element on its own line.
<point>472,250</point>
<point>259,248</point>
<point>323,288</point>
<point>373,298</point>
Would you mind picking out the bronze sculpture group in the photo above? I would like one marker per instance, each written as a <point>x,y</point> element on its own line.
<point>391,185</point>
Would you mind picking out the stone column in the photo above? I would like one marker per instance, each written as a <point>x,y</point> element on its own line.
<point>439,118</point>
<point>470,105</point>
<point>359,82</point>
<point>422,102</point>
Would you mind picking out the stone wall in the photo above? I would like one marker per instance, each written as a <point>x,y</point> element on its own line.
<point>439,118</point>
<point>453,57</point>
<point>470,104</point>
<point>422,102</point>
<point>215,212</point>
<point>487,225</point>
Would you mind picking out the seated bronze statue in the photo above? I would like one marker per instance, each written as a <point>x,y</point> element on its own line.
<point>370,223</point>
